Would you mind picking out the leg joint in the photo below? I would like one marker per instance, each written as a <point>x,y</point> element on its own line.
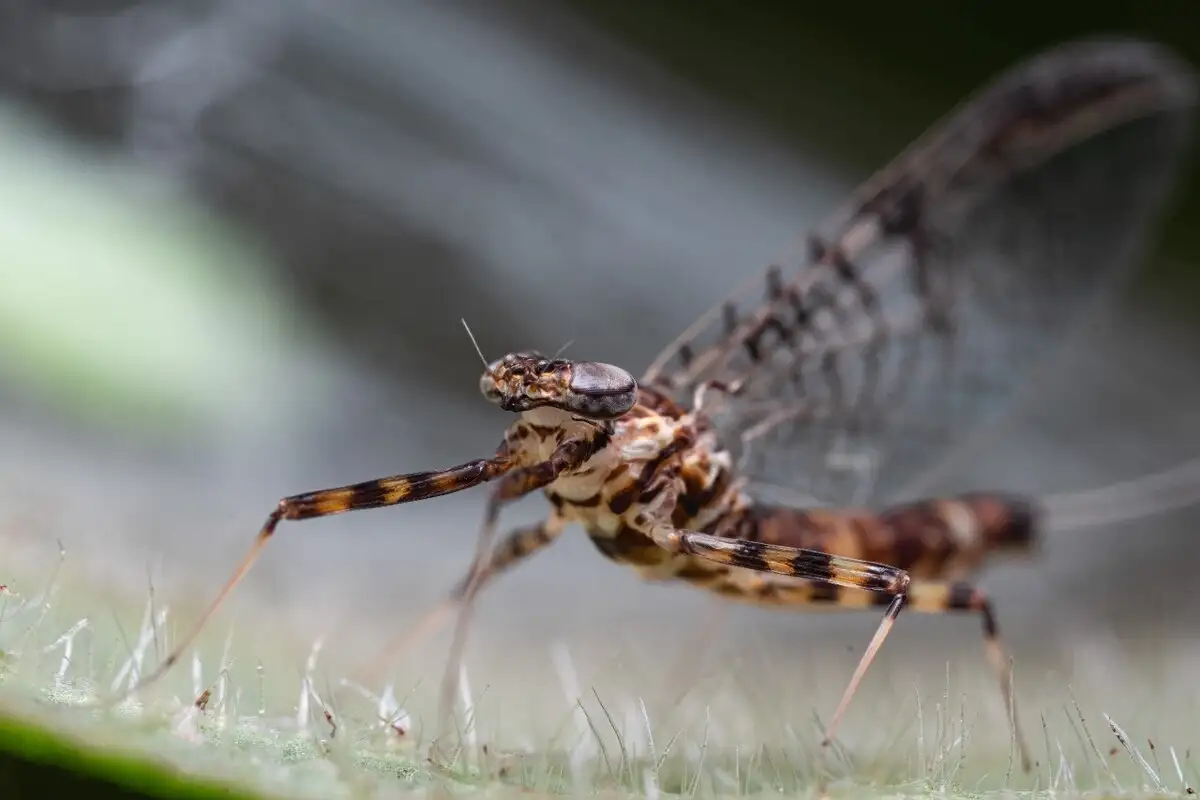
<point>965,597</point>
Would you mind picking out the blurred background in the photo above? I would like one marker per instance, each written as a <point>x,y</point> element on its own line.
<point>238,239</point>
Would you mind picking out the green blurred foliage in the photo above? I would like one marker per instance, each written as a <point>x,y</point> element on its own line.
<point>124,304</point>
<point>37,763</point>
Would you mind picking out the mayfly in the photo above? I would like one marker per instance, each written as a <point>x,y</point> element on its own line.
<point>906,320</point>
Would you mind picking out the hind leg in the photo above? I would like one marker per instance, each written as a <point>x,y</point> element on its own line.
<point>933,597</point>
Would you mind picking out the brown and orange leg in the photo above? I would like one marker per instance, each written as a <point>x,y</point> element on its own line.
<point>923,596</point>
<point>932,597</point>
<point>327,502</point>
<point>811,565</point>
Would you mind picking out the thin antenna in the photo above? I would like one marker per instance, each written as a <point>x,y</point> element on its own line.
<point>564,347</point>
<point>477,350</point>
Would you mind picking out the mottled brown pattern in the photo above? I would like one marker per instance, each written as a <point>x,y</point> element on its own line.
<point>1009,522</point>
<point>654,403</point>
<point>516,547</point>
<point>916,537</point>
<point>630,547</point>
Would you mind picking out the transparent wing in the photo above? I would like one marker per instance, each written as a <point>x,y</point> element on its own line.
<point>924,303</point>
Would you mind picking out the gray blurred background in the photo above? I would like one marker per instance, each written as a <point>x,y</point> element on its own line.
<point>239,238</point>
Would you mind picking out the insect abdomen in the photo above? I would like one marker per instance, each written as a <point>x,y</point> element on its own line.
<point>933,539</point>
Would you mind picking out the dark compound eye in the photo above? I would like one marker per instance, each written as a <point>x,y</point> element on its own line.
<point>600,390</point>
<point>592,378</point>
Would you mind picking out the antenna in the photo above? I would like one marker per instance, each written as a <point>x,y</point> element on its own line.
<point>476,344</point>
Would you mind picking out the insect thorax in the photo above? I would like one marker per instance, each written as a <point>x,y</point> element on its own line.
<point>654,445</point>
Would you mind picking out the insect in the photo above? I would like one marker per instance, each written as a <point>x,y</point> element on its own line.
<point>909,319</point>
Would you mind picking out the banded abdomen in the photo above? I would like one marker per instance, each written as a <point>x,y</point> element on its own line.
<point>933,539</point>
<point>939,542</point>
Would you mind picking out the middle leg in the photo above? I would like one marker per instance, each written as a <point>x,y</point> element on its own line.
<point>515,547</point>
<point>513,486</point>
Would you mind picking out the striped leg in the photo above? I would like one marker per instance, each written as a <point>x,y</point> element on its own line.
<point>811,565</point>
<point>923,596</point>
<point>567,456</point>
<point>515,547</point>
<point>327,502</point>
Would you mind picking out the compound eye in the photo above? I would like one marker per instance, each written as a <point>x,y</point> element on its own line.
<point>601,391</point>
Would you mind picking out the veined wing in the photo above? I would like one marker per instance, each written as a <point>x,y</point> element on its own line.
<point>923,303</point>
